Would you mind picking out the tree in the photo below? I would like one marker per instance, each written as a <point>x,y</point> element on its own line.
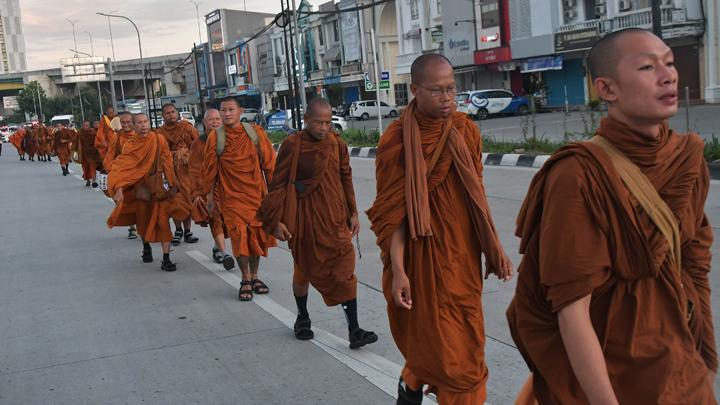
<point>28,99</point>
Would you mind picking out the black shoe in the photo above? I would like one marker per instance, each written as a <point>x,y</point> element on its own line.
<point>87,183</point>
<point>406,396</point>
<point>131,233</point>
<point>302,329</point>
<point>177,237</point>
<point>217,255</point>
<point>147,256</point>
<point>228,262</point>
<point>360,338</point>
<point>167,265</point>
<point>94,185</point>
<point>189,238</point>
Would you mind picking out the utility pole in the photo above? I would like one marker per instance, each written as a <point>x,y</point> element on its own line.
<point>197,80</point>
<point>298,91</point>
<point>301,54</point>
<point>197,14</point>
<point>72,22</point>
<point>656,18</point>
<point>377,80</point>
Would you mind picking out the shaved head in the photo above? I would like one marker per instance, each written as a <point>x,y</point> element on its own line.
<point>423,63</point>
<point>604,55</point>
<point>231,99</point>
<point>211,112</point>
<point>316,104</point>
<point>168,105</point>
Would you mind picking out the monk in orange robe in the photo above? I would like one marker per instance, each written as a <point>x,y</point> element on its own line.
<point>30,143</point>
<point>104,132</point>
<point>62,144</point>
<point>90,157</point>
<point>612,303</point>
<point>118,139</point>
<point>179,135</point>
<point>239,174</point>
<point>16,140</point>
<point>130,171</point>
<point>44,137</point>
<point>196,156</point>
<point>321,211</point>
<point>433,222</point>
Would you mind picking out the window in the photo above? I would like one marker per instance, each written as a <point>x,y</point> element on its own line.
<point>490,13</point>
<point>320,36</point>
<point>370,104</point>
<point>382,104</point>
<point>414,10</point>
<point>336,31</point>
<point>401,94</point>
<point>439,7</point>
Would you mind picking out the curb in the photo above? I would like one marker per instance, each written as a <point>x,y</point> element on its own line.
<point>505,159</point>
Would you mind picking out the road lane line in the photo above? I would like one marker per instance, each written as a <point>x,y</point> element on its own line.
<point>378,370</point>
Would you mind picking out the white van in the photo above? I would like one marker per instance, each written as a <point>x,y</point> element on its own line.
<point>68,120</point>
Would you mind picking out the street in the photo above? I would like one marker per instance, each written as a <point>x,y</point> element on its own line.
<point>703,120</point>
<point>84,321</point>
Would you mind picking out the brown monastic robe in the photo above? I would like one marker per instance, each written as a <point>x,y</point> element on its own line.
<point>180,136</point>
<point>444,209</point>
<point>196,157</point>
<point>583,233</point>
<point>322,244</point>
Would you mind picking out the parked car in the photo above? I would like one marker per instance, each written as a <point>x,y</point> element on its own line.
<point>480,104</point>
<point>339,124</point>
<point>187,116</point>
<point>249,115</point>
<point>366,109</point>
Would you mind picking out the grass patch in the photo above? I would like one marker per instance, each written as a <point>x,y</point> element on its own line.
<point>529,146</point>
<point>712,148</point>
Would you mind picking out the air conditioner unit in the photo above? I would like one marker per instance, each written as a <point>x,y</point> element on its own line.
<point>570,14</point>
<point>569,3</point>
<point>625,5</point>
<point>600,10</point>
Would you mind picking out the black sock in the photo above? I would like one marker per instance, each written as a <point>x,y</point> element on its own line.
<point>178,229</point>
<point>301,303</point>
<point>146,246</point>
<point>187,232</point>
<point>166,257</point>
<point>350,308</point>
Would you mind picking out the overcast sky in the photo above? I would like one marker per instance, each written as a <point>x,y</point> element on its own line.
<point>166,26</point>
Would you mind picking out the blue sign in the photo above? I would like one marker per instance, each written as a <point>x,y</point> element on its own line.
<point>384,75</point>
<point>479,100</point>
<point>277,121</point>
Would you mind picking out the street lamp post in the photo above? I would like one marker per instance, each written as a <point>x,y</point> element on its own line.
<point>92,53</point>
<point>142,63</point>
<point>112,82</point>
<point>197,13</point>
<point>72,22</point>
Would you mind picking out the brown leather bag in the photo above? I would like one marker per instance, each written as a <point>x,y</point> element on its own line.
<point>291,205</point>
<point>153,188</point>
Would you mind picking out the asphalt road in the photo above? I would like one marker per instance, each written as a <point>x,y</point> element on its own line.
<point>84,321</point>
<point>704,119</point>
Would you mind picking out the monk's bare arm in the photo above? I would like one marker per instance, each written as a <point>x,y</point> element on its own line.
<point>401,283</point>
<point>584,352</point>
<point>346,179</point>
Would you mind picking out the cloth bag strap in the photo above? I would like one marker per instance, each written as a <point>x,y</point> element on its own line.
<point>642,189</point>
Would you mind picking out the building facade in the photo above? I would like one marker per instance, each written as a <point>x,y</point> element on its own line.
<point>12,39</point>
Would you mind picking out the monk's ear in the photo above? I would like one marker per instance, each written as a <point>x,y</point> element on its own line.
<point>413,89</point>
<point>606,89</point>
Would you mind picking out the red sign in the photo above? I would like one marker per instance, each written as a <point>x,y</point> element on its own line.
<point>495,55</point>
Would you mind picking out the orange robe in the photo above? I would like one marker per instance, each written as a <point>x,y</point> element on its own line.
<point>44,137</point>
<point>447,219</point>
<point>241,186</point>
<point>129,170</point>
<point>62,143</point>
<point>196,157</point>
<point>114,149</point>
<point>17,140</point>
<point>104,133</point>
<point>322,243</point>
<point>90,157</point>
<point>583,233</point>
<point>30,143</point>
<point>179,137</point>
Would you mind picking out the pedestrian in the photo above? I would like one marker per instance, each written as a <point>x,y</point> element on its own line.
<point>116,142</point>
<point>62,145</point>
<point>144,172</point>
<point>612,303</point>
<point>311,205</point>
<point>207,204</point>
<point>30,143</point>
<point>89,156</point>
<point>239,162</point>
<point>179,135</point>
<point>104,131</point>
<point>45,140</point>
<point>433,222</point>
<point>17,140</point>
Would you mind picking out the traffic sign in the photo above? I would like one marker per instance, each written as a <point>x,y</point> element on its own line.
<point>384,75</point>
<point>369,86</point>
<point>384,85</point>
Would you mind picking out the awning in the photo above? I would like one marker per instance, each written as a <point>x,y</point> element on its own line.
<point>540,64</point>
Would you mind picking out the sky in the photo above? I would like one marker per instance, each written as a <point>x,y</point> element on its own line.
<point>166,26</point>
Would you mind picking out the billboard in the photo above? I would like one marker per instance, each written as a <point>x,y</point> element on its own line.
<point>10,103</point>
<point>85,69</point>
<point>350,32</point>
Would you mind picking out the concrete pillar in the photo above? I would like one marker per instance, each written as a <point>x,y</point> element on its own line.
<point>712,52</point>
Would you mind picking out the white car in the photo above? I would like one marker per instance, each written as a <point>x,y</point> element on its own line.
<point>365,109</point>
<point>480,104</point>
<point>249,115</point>
<point>187,116</point>
<point>338,122</point>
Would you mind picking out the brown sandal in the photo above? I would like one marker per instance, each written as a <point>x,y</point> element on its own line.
<point>246,294</point>
<point>259,287</point>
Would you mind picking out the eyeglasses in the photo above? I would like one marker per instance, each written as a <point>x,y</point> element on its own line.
<point>437,92</point>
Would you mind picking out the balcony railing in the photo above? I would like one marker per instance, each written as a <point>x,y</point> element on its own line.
<point>351,68</point>
<point>671,18</point>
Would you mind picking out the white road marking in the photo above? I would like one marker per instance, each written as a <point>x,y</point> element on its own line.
<point>378,370</point>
